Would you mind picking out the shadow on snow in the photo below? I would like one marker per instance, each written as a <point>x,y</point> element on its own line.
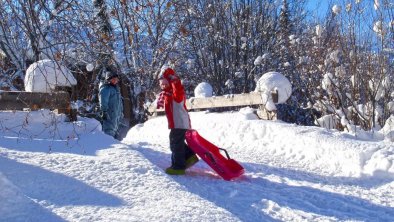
<point>54,188</point>
<point>247,197</point>
<point>82,145</point>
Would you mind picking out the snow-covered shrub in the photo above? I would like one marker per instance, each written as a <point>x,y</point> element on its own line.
<point>203,90</point>
<point>330,121</point>
<point>293,114</point>
<point>45,75</point>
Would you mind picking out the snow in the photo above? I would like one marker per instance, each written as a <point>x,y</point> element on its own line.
<point>51,170</point>
<point>388,129</point>
<point>378,27</point>
<point>89,67</point>
<point>336,9</point>
<point>45,75</point>
<point>203,90</point>
<point>271,82</point>
<point>376,4</point>
<point>258,61</point>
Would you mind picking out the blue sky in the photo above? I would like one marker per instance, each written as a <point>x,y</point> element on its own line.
<point>318,8</point>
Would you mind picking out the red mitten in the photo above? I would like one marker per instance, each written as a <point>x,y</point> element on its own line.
<point>168,74</point>
<point>160,100</point>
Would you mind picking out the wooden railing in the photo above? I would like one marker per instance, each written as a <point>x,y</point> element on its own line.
<point>232,100</point>
<point>19,100</point>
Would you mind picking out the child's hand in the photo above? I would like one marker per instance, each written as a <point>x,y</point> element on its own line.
<point>168,74</point>
<point>160,100</point>
<point>160,104</point>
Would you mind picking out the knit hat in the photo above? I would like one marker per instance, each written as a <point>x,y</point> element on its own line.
<point>110,75</point>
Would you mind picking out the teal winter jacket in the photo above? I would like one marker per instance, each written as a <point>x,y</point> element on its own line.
<point>111,104</point>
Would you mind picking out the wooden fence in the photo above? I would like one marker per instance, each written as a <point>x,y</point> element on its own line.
<point>233,100</point>
<point>19,100</point>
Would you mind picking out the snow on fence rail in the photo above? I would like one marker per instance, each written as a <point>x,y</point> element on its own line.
<point>245,99</point>
<point>19,100</point>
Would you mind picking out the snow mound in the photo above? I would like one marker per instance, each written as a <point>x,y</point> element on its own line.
<point>30,129</point>
<point>248,113</point>
<point>45,75</point>
<point>203,90</point>
<point>324,152</point>
<point>388,129</point>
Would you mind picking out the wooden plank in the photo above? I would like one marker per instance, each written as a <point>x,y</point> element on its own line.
<point>246,99</point>
<point>17,100</point>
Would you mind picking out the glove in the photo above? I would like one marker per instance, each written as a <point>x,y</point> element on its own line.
<point>104,115</point>
<point>168,74</point>
<point>160,100</point>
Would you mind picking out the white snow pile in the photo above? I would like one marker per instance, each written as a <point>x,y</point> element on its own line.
<point>272,82</point>
<point>45,75</point>
<point>388,129</point>
<point>203,90</point>
<point>25,127</point>
<point>247,113</point>
<point>51,170</point>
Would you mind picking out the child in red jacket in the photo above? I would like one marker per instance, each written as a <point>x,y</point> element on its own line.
<point>173,99</point>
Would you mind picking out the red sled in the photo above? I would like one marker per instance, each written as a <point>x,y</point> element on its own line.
<point>227,168</point>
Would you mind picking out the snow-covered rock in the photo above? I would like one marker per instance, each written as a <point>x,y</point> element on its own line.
<point>45,75</point>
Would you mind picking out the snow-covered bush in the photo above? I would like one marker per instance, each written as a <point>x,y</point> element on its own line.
<point>203,90</point>
<point>328,121</point>
<point>45,75</point>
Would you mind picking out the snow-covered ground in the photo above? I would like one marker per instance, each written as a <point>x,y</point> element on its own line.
<point>51,170</point>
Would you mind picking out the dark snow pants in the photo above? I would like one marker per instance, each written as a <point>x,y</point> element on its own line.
<point>180,151</point>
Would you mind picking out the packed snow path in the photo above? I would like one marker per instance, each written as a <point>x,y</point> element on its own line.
<point>292,174</point>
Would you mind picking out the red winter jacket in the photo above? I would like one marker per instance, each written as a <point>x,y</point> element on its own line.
<point>175,106</point>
